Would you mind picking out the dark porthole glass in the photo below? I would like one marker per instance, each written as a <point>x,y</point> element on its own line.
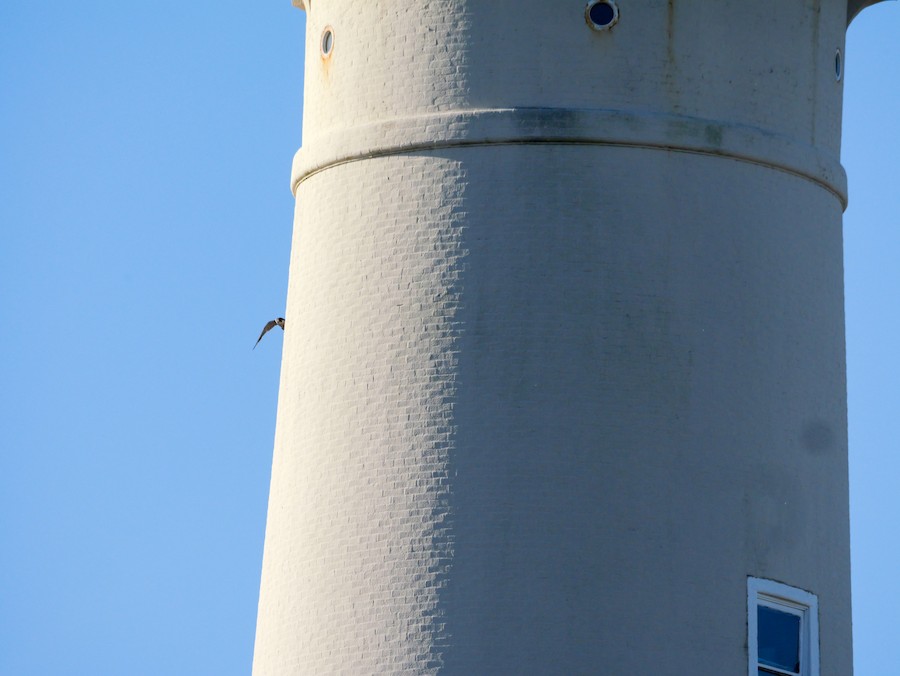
<point>602,13</point>
<point>327,41</point>
<point>778,639</point>
<point>838,65</point>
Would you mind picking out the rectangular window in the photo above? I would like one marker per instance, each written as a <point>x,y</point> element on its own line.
<point>783,629</point>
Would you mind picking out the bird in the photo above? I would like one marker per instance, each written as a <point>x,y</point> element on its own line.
<point>278,321</point>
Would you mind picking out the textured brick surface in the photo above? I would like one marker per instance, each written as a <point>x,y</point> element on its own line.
<point>767,65</point>
<point>360,480</point>
<point>544,407</point>
<point>513,422</point>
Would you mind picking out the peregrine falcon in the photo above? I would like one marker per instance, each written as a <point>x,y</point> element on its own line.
<point>278,321</point>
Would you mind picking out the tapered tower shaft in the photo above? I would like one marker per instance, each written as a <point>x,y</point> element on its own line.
<point>564,358</point>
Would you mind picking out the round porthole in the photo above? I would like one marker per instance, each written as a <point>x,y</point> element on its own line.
<point>601,15</point>
<point>327,42</point>
<point>838,65</point>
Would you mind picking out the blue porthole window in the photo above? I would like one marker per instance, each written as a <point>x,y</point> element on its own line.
<point>601,15</point>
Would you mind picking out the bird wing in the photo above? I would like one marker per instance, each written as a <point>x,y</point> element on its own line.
<point>269,325</point>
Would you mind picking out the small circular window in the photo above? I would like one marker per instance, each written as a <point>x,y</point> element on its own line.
<point>601,15</point>
<point>838,65</point>
<point>327,43</point>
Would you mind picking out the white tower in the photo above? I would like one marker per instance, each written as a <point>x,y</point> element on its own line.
<point>563,385</point>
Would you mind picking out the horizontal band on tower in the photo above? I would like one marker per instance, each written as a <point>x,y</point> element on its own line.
<point>506,126</point>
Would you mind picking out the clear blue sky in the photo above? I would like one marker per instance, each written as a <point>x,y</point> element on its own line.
<point>145,215</point>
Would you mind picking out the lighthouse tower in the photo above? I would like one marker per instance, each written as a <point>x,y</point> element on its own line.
<point>563,384</point>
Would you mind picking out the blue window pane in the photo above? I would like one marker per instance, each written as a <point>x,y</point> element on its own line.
<point>778,639</point>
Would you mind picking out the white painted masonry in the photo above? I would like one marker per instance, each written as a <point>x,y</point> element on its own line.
<point>564,351</point>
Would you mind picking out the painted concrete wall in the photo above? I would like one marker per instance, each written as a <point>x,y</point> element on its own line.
<point>564,358</point>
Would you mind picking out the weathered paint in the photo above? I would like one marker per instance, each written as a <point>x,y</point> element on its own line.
<point>565,362</point>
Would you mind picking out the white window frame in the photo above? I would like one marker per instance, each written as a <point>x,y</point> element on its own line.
<point>762,592</point>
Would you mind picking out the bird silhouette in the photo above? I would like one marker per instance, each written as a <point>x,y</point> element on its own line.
<point>278,321</point>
